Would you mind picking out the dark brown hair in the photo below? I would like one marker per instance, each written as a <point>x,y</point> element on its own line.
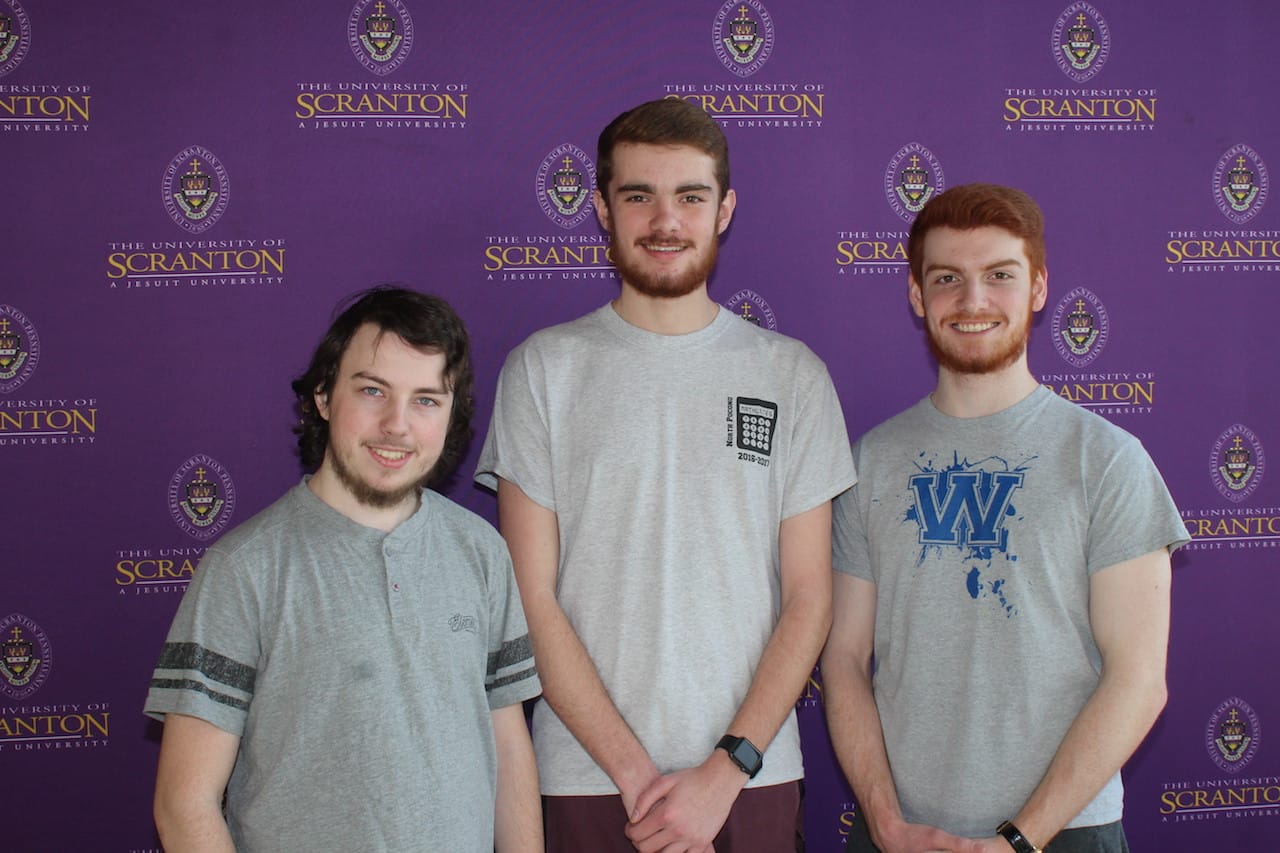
<point>422,321</point>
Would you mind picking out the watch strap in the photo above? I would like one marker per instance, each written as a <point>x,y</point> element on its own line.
<point>1019,842</point>
<point>743,753</point>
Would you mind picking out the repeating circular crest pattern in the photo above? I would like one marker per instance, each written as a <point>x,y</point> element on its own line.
<point>912,177</point>
<point>1080,327</point>
<point>1237,463</point>
<point>195,189</point>
<point>1233,735</point>
<point>1240,184</point>
<point>1081,42</point>
<point>19,349</point>
<point>564,183</point>
<point>26,657</point>
<point>202,497</point>
<point>380,33</point>
<point>15,35</point>
<point>743,36</point>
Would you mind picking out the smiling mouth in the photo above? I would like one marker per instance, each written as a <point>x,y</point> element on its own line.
<point>385,454</point>
<point>971,328</point>
<point>664,248</point>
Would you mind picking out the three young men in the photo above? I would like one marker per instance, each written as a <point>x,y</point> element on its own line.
<point>665,475</point>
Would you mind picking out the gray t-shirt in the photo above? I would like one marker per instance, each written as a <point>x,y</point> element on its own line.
<point>670,462</point>
<point>981,536</point>
<point>359,669</point>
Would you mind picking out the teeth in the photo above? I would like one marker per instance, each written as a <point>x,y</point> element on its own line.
<point>973,327</point>
<point>653,248</point>
<point>390,455</point>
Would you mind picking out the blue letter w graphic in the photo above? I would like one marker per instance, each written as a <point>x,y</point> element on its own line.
<point>964,508</point>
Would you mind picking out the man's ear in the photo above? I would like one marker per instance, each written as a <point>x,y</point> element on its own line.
<point>915,295</point>
<point>321,400</point>
<point>725,214</point>
<point>1039,289</point>
<point>602,211</point>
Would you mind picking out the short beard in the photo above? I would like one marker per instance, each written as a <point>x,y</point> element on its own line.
<point>981,363</point>
<point>664,286</point>
<point>366,494</point>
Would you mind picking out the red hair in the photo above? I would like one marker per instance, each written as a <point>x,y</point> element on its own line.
<point>972,206</point>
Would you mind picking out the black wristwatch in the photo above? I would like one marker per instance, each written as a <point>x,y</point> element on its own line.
<point>743,753</point>
<point>1016,839</point>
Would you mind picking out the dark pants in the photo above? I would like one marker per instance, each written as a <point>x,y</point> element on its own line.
<point>769,819</point>
<point>1107,838</point>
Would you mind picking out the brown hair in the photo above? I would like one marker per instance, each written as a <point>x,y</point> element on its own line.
<point>669,121</point>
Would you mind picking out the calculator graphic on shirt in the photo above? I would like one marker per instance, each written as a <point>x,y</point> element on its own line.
<point>756,420</point>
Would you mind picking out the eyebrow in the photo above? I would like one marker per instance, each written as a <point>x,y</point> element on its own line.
<point>648,188</point>
<point>378,380</point>
<point>1007,262</point>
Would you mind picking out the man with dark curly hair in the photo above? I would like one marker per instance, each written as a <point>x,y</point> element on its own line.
<point>348,666</point>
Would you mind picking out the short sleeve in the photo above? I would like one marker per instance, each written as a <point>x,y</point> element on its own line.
<point>209,663</point>
<point>517,447</point>
<point>851,553</point>
<point>1131,510</point>
<point>821,465</point>
<point>510,676</point>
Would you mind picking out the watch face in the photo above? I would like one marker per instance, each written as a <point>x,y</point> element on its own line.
<point>743,753</point>
<point>746,756</point>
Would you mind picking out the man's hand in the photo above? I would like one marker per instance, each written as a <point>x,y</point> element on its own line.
<point>682,812</point>
<point>995,844</point>
<point>632,787</point>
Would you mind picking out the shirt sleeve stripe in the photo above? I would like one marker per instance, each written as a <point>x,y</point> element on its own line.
<point>512,678</point>
<point>512,652</point>
<point>194,658</point>
<point>197,687</point>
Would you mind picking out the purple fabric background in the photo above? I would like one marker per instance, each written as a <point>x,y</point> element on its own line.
<point>134,386</point>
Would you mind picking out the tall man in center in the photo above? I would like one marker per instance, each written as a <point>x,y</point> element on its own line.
<point>665,473</point>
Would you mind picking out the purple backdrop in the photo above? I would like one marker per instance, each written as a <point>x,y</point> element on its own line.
<point>188,189</point>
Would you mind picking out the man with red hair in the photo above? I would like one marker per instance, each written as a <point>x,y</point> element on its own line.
<point>1005,559</point>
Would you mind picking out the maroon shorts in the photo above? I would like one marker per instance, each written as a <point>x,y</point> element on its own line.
<point>768,819</point>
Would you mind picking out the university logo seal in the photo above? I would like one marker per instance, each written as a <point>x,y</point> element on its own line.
<point>743,36</point>
<point>913,177</point>
<point>202,497</point>
<point>27,657</point>
<point>750,306</point>
<point>1080,326</point>
<point>1232,735</point>
<point>1081,42</point>
<point>565,179</point>
<point>1240,184</point>
<point>1237,463</point>
<point>380,34</point>
<point>19,349</point>
<point>15,35</point>
<point>195,189</point>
